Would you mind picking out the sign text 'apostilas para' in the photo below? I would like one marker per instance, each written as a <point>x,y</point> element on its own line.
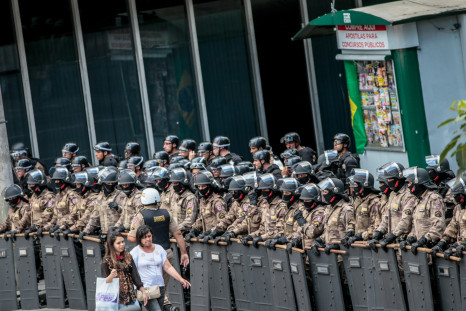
<point>362,37</point>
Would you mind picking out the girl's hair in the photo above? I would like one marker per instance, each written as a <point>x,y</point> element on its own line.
<point>110,249</point>
<point>141,233</point>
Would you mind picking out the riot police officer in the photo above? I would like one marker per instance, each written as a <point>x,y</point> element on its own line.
<point>136,164</point>
<point>427,217</point>
<point>339,216</point>
<point>304,173</point>
<point>132,149</point>
<point>61,162</point>
<point>212,207</point>
<point>215,165</point>
<point>103,153</point>
<point>149,165</point>
<point>163,158</point>
<point>79,163</point>
<point>257,143</point>
<point>292,140</point>
<point>289,164</point>
<point>108,204</point>
<point>18,219</point>
<point>127,181</point>
<point>439,172</point>
<point>23,166</point>
<point>162,176</point>
<point>20,151</point>
<point>328,166</point>
<point>206,150</point>
<point>263,165</point>
<point>171,144</point>
<point>70,150</point>
<point>221,146</point>
<point>366,205</point>
<point>341,143</point>
<point>184,206</point>
<point>273,211</point>
<point>188,149</point>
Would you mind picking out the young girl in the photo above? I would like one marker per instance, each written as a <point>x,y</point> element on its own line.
<point>119,264</point>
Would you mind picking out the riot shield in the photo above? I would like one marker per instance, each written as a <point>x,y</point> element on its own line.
<point>219,279</point>
<point>280,278</point>
<point>71,275</point>
<point>54,290</point>
<point>417,277</point>
<point>387,288</point>
<point>7,271</point>
<point>326,281</point>
<point>92,267</point>
<point>357,268</point>
<point>298,274</point>
<point>200,298</point>
<point>26,272</point>
<point>448,283</point>
<point>175,289</point>
<point>462,268</point>
<point>239,276</point>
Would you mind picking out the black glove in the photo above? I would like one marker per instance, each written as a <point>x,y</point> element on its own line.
<point>298,216</point>
<point>13,234</point>
<point>110,229</point>
<point>229,235</point>
<point>66,233</point>
<point>82,235</point>
<point>345,239</point>
<point>256,241</point>
<point>113,205</point>
<point>373,246</point>
<point>421,242</point>
<point>55,228</point>
<point>356,237</point>
<point>29,231</point>
<point>460,249</point>
<point>203,236</point>
<point>191,235</point>
<point>121,229</point>
<point>440,247</point>
<point>318,243</point>
<point>56,234</point>
<point>294,243</point>
<point>411,239</point>
<point>5,236</point>
<point>377,235</point>
<point>252,195</point>
<point>388,240</point>
<point>403,245</point>
<point>330,247</point>
<point>270,243</point>
<point>40,232</point>
<point>247,239</point>
<point>282,240</point>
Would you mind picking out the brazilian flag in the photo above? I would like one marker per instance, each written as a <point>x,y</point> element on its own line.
<point>357,115</point>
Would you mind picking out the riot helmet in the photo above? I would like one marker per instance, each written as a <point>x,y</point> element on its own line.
<point>262,155</point>
<point>12,194</point>
<point>217,162</point>
<point>205,147</point>
<point>310,192</point>
<point>173,139</point>
<point>335,188</point>
<point>419,180</point>
<point>221,142</point>
<point>103,146</point>
<point>291,137</point>
<point>251,180</point>
<point>458,190</point>
<point>79,162</point>
<point>81,182</point>
<point>258,142</point>
<point>179,175</point>
<point>160,176</point>
<point>290,162</point>
<point>127,180</point>
<point>132,149</point>
<point>150,164</point>
<point>175,159</point>
<point>36,177</point>
<point>187,145</point>
<point>288,153</point>
<point>344,138</point>
<point>360,180</point>
<point>135,161</point>
<point>63,162</point>
<point>122,165</point>
<point>289,185</point>
<point>162,156</point>
<point>70,148</point>
<point>227,170</point>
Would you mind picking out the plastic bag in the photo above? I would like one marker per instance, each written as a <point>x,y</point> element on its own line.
<point>107,294</point>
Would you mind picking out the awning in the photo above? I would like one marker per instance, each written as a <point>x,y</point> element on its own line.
<point>391,13</point>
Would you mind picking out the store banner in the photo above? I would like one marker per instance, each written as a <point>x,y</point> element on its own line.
<point>357,117</point>
<point>362,37</point>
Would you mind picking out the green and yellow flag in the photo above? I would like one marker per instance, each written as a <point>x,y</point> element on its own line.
<point>357,115</point>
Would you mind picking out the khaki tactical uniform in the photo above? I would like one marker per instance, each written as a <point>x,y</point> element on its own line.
<point>339,219</point>
<point>235,215</point>
<point>429,217</point>
<point>166,197</point>
<point>211,211</point>
<point>39,205</point>
<point>103,216</point>
<point>184,208</point>
<point>19,218</point>
<point>313,227</point>
<point>249,224</point>
<point>64,210</point>
<point>85,206</point>
<point>273,219</point>
<point>129,209</point>
<point>456,229</point>
<point>383,200</point>
<point>291,226</point>
<point>365,214</point>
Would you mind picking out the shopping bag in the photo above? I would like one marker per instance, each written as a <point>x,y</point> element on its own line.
<point>106,295</point>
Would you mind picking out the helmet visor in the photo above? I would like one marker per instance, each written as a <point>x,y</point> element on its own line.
<point>360,176</point>
<point>411,174</point>
<point>330,156</point>
<point>433,161</point>
<point>36,175</point>
<point>326,184</point>
<point>80,178</point>
<point>392,170</point>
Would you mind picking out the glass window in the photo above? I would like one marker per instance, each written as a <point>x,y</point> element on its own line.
<point>225,71</point>
<point>168,66</point>
<point>10,80</point>
<point>112,73</point>
<point>54,77</point>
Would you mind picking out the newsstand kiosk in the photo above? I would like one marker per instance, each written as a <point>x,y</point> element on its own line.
<point>384,86</point>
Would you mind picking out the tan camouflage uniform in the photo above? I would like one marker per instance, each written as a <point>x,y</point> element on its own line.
<point>211,211</point>
<point>85,206</point>
<point>456,229</point>
<point>129,208</point>
<point>365,214</point>
<point>235,215</point>
<point>19,218</point>
<point>338,220</point>
<point>41,208</point>
<point>273,219</point>
<point>383,200</point>
<point>103,216</point>
<point>249,224</point>
<point>291,226</point>
<point>166,197</point>
<point>313,227</point>
<point>64,210</point>
<point>184,207</point>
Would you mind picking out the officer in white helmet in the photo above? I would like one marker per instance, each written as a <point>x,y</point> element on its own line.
<point>162,224</point>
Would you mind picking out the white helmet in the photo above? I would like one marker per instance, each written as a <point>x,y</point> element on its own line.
<point>150,196</point>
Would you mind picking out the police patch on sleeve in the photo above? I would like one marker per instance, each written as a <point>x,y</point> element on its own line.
<point>245,208</point>
<point>438,214</point>
<point>221,215</point>
<point>316,224</point>
<point>73,200</point>
<point>50,204</point>
<point>438,205</point>
<point>410,203</point>
<point>219,207</point>
<point>189,211</point>
<point>190,204</point>
<point>408,211</point>
<point>320,218</point>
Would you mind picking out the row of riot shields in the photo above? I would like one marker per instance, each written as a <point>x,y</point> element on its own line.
<point>231,276</point>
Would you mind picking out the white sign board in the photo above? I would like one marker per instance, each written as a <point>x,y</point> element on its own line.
<point>362,37</point>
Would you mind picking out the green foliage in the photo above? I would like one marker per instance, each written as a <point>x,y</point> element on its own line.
<point>457,146</point>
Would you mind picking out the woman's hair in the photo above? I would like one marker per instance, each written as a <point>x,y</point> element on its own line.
<point>141,233</point>
<point>110,249</point>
